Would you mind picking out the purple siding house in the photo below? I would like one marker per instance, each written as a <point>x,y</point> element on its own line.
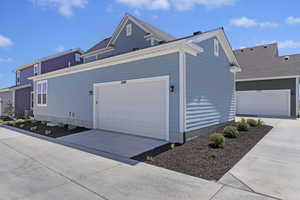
<point>22,94</point>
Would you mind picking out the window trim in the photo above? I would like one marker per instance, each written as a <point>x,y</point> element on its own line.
<point>42,104</point>
<point>37,69</point>
<point>216,47</point>
<point>128,30</point>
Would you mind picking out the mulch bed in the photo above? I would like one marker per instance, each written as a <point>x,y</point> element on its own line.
<point>56,131</point>
<point>197,158</point>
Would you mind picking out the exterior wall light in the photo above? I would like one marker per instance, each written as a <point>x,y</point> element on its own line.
<point>172,88</point>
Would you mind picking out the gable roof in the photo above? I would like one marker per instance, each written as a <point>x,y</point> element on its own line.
<point>100,45</point>
<point>48,58</point>
<point>262,61</point>
<point>148,28</point>
<point>187,44</point>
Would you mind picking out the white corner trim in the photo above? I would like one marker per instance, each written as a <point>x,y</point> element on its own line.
<point>149,52</point>
<point>182,91</point>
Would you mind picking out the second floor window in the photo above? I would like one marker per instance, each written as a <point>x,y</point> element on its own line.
<point>216,47</point>
<point>77,57</point>
<point>128,29</point>
<point>18,77</point>
<point>42,93</point>
<point>37,69</point>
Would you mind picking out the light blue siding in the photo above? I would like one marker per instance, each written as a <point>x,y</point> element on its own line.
<point>69,99</point>
<point>125,43</point>
<point>210,89</point>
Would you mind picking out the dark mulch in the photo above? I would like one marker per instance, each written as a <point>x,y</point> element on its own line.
<point>5,118</point>
<point>56,131</point>
<point>197,158</point>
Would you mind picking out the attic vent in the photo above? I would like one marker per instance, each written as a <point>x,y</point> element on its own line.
<point>197,33</point>
<point>286,58</point>
<point>251,49</point>
<point>242,50</point>
<point>265,47</point>
<point>162,42</point>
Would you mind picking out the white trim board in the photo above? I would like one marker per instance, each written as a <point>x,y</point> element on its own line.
<point>141,80</point>
<point>266,78</point>
<point>182,91</point>
<point>149,52</point>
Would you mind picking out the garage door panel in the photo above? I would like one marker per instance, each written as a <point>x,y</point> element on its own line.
<point>265,102</point>
<point>138,108</point>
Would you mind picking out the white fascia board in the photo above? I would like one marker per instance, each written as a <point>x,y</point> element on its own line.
<point>20,87</point>
<point>149,52</point>
<point>266,78</point>
<point>220,35</point>
<point>92,53</point>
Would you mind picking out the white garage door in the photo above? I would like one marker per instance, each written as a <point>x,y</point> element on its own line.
<point>264,102</point>
<point>139,107</point>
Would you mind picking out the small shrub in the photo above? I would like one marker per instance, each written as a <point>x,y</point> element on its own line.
<point>20,120</point>
<point>71,127</point>
<point>149,158</point>
<point>231,132</point>
<point>218,140</point>
<point>260,122</point>
<point>1,121</point>
<point>34,128</point>
<point>61,125</point>
<point>48,132</point>
<point>13,123</point>
<point>252,122</point>
<point>172,146</point>
<point>30,118</point>
<point>22,125</point>
<point>243,125</point>
<point>44,122</point>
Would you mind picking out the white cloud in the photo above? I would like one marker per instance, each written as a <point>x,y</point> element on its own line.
<point>247,23</point>
<point>6,59</point>
<point>189,4</point>
<point>177,4</point>
<point>60,48</point>
<point>286,44</point>
<point>147,4</point>
<point>5,41</point>
<point>293,20</point>
<point>65,7</point>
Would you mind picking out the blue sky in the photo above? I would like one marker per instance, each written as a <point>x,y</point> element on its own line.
<point>31,29</point>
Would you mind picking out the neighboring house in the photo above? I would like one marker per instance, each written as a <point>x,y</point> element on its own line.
<point>5,101</point>
<point>150,84</point>
<point>22,94</point>
<point>268,84</point>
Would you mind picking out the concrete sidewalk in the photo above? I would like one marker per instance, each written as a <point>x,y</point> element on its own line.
<point>272,166</point>
<point>34,169</point>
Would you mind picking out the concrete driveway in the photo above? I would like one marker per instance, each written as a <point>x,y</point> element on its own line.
<point>112,142</point>
<point>36,169</point>
<point>272,167</point>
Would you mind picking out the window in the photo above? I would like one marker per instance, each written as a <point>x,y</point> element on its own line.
<point>152,41</point>
<point>77,57</point>
<point>128,29</point>
<point>18,77</point>
<point>42,93</point>
<point>37,69</point>
<point>216,47</point>
<point>32,100</point>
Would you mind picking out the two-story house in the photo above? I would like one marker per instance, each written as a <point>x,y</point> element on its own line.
<point>144,82</point>
<point>20,96</point>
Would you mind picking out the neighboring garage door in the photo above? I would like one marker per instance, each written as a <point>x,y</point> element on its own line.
<point>264,102</point>
<point>138,107</point>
